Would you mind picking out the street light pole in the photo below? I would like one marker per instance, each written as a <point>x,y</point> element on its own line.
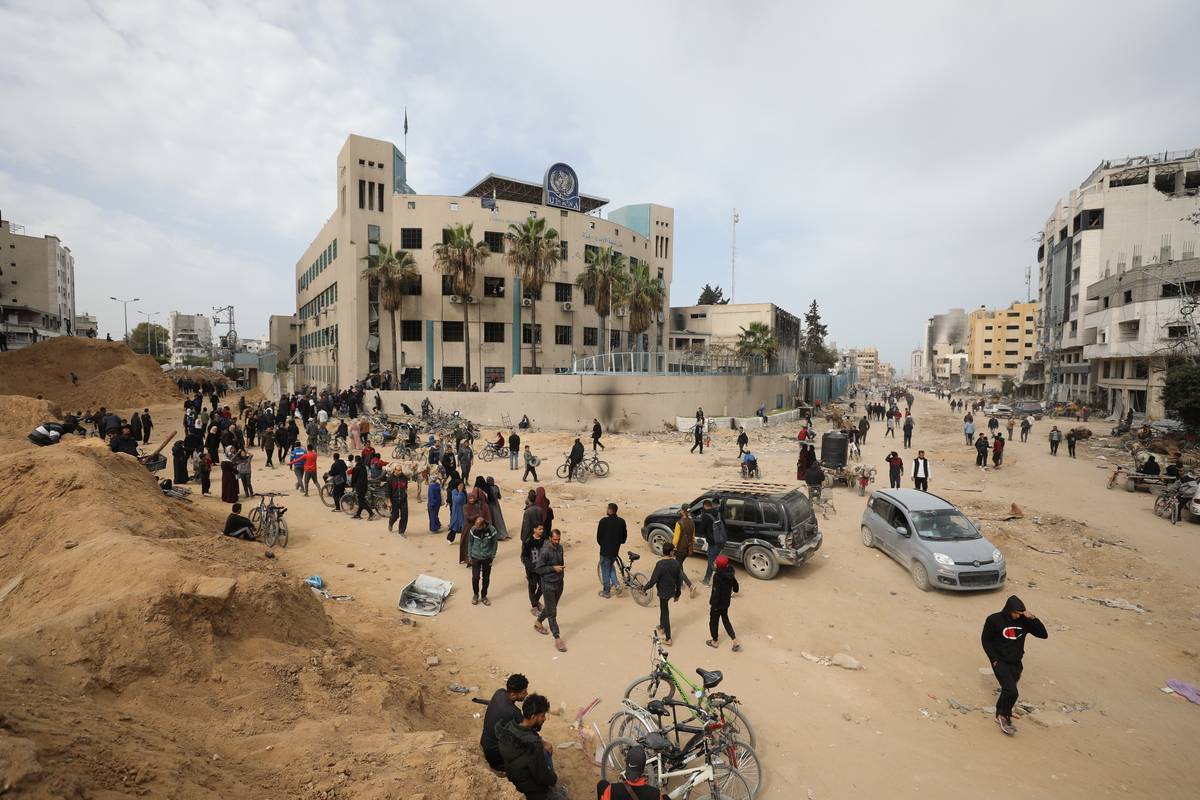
<point>150,340</point>
<point>125,303</point>
<point>733,256</point>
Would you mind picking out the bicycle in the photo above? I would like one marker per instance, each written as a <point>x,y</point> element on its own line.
<point>267,519</point>
<point>490,452</point>
<point>377,493</point>
<point>666,679</point>
<point>580,474</point>
<point>634,581</point>
<point>633,721</point>
<point>724,782</point>
<point>596,465</point>
<point>820,502</point>
<point>1167,505</point>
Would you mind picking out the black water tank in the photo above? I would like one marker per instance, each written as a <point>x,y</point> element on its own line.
<point>834,447</point>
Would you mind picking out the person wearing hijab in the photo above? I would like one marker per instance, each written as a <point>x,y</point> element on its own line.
<point>458,502</point>
<point>475,507</point>
<point>204,467</point>
<point>541,501</point>
<point>212,443</point>
<point>179,458</point>
<point>494,497</point>
<point>229,481</point>
<point>434,503</point>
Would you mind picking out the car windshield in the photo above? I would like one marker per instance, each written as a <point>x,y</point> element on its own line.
<point>943,525</point>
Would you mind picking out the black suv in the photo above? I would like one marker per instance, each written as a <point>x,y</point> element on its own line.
<point>767,525</point>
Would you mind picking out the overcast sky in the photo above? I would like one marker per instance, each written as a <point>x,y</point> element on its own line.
<point>889,159</point>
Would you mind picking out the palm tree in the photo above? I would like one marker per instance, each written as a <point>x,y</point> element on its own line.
<point>642,295</point>
<point>533,251</point>
<point>757,341</point>
<point>461,257</point>
<point>393,271</point>
<point>603,278</point>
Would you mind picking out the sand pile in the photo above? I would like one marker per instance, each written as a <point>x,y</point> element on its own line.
<point>199,374</point>
<point>146,655</point>
<point>108,373</point>
<point>19,414</point>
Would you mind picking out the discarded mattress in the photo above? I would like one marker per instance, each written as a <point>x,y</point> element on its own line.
<point>425,596</point>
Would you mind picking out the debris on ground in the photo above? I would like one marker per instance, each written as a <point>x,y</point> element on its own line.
<point>1113,602</point>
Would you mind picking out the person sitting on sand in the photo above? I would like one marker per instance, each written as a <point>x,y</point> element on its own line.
<point>238,526</point>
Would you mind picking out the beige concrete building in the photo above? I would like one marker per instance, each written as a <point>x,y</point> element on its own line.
<point>283,336</point>
<point>344,334</point>
<point>190,336</point>
<point>700,328</point>
<point>1128,213</point>
<point>37,286</point>
<point>998,342</point>
<point>86,326</point>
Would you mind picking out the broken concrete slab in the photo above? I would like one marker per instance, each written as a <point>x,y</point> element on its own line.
<point>210,588</point>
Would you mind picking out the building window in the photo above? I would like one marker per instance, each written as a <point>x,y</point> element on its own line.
<point>373,234</point>
<point>445,236</point>
<point>531,334</point>
<point>1177,331</point>
<point>493,331</point>
<point>452,377</point>
<point>370,195</point>
<point>492,376</point>
<point>591,336</point>
<point>410,238</point>
<point>410,330</point>
<point>589,298</point>
<point>452,331</point>
<point>380,185</point>
<point>614,340</point>
<point>493,287</point>
<point>412,204</point>
<point>1127,297</point>
<point>495,241</point>
<point>588,249</point>
<point>1141,368</point>
<point>562,334</point>
<point>562,292</point>
<point>447,285</point>
<point>412,286</point>
<point>362,194</point>
<point>528,295</point>
<point>562,249</point>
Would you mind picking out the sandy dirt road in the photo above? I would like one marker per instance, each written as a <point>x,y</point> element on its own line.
<point>825,732</point>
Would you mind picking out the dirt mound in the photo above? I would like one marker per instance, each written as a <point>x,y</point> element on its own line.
<point>146,655</point>
<point>19,414</point>
<point>106,374</point>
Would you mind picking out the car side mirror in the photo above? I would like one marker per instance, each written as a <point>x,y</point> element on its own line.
<point>978,525</point>
<point>903,531</point>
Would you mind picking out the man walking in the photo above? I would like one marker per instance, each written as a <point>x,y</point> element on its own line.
<point>921,472</point>
<point>530,466</point>
<point>998,450</point>
<point>502,708</point>
<point>742,441</point>
<point>863,427</point>
<point>698,435</point>
<point>908,429</point>
<point>337,479</point>
<point>1003,641</point>
<point>667,579</point>
<point>530,547</point>
<point>466,457</point>
<point>147,425</point>
<point>514,449</point>
<point>398,499</point>
<point>481,550</point>
<point>981,450</point>
<point>1055,438</point>
<point>891,426</point>
<point>685,540</point>
<point>611,533</point>
<point>1071,440</point>
<point>358,482</point>
<point>707,525</point>
<point>550,567</point>
<point>969,431</point>
<point>597,432</point>
<point>725,585</point>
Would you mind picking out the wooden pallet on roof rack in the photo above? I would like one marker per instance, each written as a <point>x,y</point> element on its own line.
<point>761,488</point>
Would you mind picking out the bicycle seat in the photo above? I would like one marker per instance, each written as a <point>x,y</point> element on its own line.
<point>656,741</point>
<point>633,556</point>
<point>657,708</point>
<point>710,678</point>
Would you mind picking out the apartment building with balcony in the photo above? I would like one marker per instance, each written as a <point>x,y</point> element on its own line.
<point>998,342</point>
<point>1127,214</point>
<point>37,286</point>
<point>190,336</point>
<point>1141,322</point>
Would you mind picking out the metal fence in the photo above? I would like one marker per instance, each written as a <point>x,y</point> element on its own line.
<point>680,362</point>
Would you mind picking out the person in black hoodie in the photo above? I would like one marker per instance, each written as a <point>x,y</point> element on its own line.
<point>1003,640</point>
<point>668,579</point>
<point>527,759</point>
<point>501,709</point>
<point>724,586</point>
<point>611,533</point>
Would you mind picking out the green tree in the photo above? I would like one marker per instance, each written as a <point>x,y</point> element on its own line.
<point>814,338</point>
<point>461,257</point>
<point>712,296</point>
<point>757,341</point>
<point>642,295</point>
<point>1007,387</point>
<point>150,338</point>
<point>603,278</point>
<point>394,272</point>
<point>1181,394</point>
<point>533,251</point>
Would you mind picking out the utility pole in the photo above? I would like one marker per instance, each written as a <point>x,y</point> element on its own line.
<point>1028,274</point>
<point>151,340</point>
<point>126,303</point>
<point>733,257</point>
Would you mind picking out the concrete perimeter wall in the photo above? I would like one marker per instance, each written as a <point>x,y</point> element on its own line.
<point>627,403</point>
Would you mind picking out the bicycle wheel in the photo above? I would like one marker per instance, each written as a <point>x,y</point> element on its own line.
<point>737,724</point>
<point>270,530</point>
<point>256,517</point>
<point>349,502</point>
<point>561,471</point>
<point>581,473</point>
<point>1162,506</point>
<point>486,454</point>
<point>737,755</point>
<point>281,532</point>
<point>612,761</point>
<point>326,495</point>
<point>730,785</point>
<point>629,725</point>
<point>600,468</point>
<point>649,687</point>
<point>637,590</point>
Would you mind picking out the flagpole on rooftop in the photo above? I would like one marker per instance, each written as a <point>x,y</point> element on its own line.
<point>406,136</point>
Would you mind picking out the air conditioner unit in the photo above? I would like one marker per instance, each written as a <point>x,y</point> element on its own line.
<point>455,299</point>
<point>472,300</point>
<point>620,312</point>
<point>567,306</point>
<point>527,302</point>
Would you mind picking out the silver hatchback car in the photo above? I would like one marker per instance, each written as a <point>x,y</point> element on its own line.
<point>931,538</point>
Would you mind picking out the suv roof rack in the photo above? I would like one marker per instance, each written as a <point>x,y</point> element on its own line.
<point>758,488</point>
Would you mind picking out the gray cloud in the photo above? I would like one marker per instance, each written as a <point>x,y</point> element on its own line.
<point>890,160</point>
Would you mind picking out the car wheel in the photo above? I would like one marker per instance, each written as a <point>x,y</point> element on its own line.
<point>920,576</point>
<point>658,539</point>
<point>868,538</point>
<point>760,562</point>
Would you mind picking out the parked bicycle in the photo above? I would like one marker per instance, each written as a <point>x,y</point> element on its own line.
<point>268,520</point>
<point>596,465</point>
<point>581,470</point>
<point>490,452</point>
<point>626,577</point>
<point>666,680</point>
<point>821,502</point>
<point>662,766</point>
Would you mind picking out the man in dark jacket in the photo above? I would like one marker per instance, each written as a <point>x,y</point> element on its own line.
<point>1003,640</point>
<point>147,425</point>
<point>576,458</point>
<point>514,449</point>
<point>611,533</point>
<point>358,482</point>
<point>742,440</point>
<point>529,552</point>
<point>527,759</point>
<point>338,478</point>
<point>597,432</point>
<point>398,498</point>
<point>981,450</point>
<point>135,426</point>
<point>704,530</point>
<point>124,442</point>
<point>502,708</point>
<point>667,578</point>
<point>550,567</point>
